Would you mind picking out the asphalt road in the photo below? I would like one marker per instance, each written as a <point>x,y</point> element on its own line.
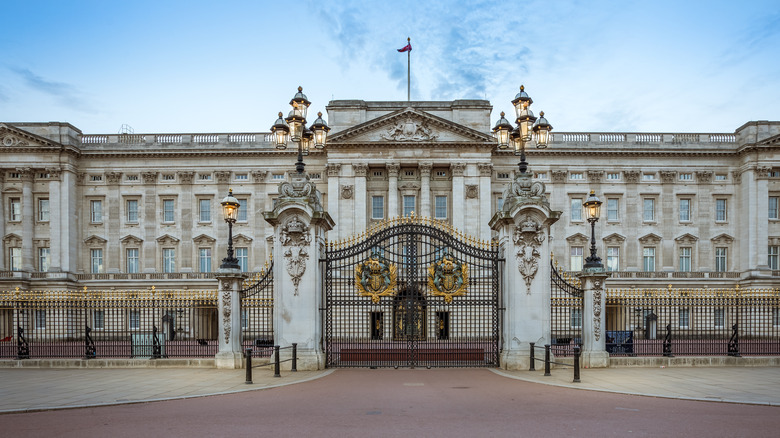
<point>424,403</point>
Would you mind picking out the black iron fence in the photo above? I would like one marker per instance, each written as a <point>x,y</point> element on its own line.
<point>108,324</point>
<point>257,309</point>
<point>565,312</point>
<point>693,322</point>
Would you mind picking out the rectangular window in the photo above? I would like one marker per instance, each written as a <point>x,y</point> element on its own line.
<point>773,214</point>
<point>169,260</point>
<point>15,209</point>
<point>96,260</point>
<point>43,210</point>
<point>204,176</point>
<point>648,259</point>
<point>132,260</point>
<point>612,209</point>
<point>502,175</point>
<point>135,319</point>
<point>577,176</point>
<point>721,259</point>
<point>719,317</point>
<point>686,177</point>
<point>168,177</point>
<point>377,207</point>
<point>99,319</point>
<point>613,258</point>
<point>440,210</point>
<point>648,209</point>
<point>204,210</point>
<point>243,210</point>
<point>168,206</point>
<point>409,204</point>
<point>15,259</point>
<point>613,176</point>
<point>96,211</point>
<point>242,177</point>
<point>774,258</point>
<point>575,318</point>
<point>685,259</point>
<point>132,177</point>
<point>205,259</point>
<point>685,210</point>
<point>720,210</point>
<point>575,260</point>
<point>541,175</point>
<point>776,316</point>
<point>43,259</point>
<point>684,318</point>
<point>242,254</point>
<point>96,178</point>
<point>277,176</point>
<point>132,210</point>
<point>576,209</point>
<point>720,177</point>
<point>40,319</point>
<point>648,177</point>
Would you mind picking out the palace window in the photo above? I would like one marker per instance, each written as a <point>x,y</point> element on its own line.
<point>441,173</point>
<point>168,210</point>
<point>648,177</point>
<point>204,176</point>
<point>204,210</point>
<point>43,259</point>
<point>575,259</point>
<point>503,175</point>
<point>685,210</point>
<point>576,209</point>
<point>720,177</point>
<point>648,259</point>
<point>132,178</point>
<point>773,213</point>
<point>134,319</point>
<point>648,209</point>
<point>99,319</point>
<point>277,176</point>
<point>15,259</point>
<point>409,172</point>
<point>132,260</point>
<point>96,211</point>
<point>243,210</point>
<point>575,318</point>
<point>685,259</point>
<point>409,204</point>
<point>242,177</point>
<point>719,317</point>
<point>96,260</point>
<point>686,177</point>
<point>377,207</point>
<point>15,209</point>
<point>613,258</point>
<point>774,257</point>
<point>168,177</point>
<point>541,175</point>
<point>500,204</point>
<point>96,178</point>
<point>613,176</point>
<point>721,259</point>
<point>612,209</point>
<point>43,210</point>
<point>684,318</point>
<point>204,257</point>
<point>440,207</point>
<point>576,176</point>
<point>378,173</point>
<point>242,254</point>
<point>132,210</point>
<point>169,260</point>
<point>720,210</point>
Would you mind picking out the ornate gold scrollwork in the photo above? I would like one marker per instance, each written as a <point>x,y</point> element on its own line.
<point>376,278</point>
<point>448,278</point>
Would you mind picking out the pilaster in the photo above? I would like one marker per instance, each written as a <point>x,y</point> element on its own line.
<point>361,170</point>
<point>458,191</point>
<point>392,189</point>
<point>229,318</point>
<point>485,191</point>
<point>594,351</point>
<point>425,189</point>
<point>28,219</point>
<point>55,219</point>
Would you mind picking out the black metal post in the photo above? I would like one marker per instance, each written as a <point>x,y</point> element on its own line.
<point>547,360</point>
<point>576,364</point>
<point>594,261</point>
<point>533,366</point>
<point>277,373</point>
<point>294,357</point>
<point>523,164</point>
<point>299,165</point>
<point>248,366</point>
<point>230,262</point>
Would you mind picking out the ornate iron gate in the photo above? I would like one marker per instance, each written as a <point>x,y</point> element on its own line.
<point>412,292</point>
<point>257,313</point>
<point>565,312</point>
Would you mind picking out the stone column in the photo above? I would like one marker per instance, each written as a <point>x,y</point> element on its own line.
<point>425,189</point>
<point>28,219</point>
<point>360,196</point>
<point>185,222</point>
<point>113,222</point>
<point>458,200</point>
<point>594,318</point>
<point>55,217</point>
<point>69,227</point>
<point>633,221</point>
<point>229,318</point>
<point>392,189</point>
<point>150,225</point>
<point>485,192</point>
<point>523,226</point>
<point>2,218</point>
<point>300,224</point>
<point>334,170</point>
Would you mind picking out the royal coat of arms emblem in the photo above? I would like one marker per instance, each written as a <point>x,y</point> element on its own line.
<point>376,278</point>
<point>448,278</point>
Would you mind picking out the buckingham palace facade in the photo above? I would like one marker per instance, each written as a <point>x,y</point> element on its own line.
<point>127,211</point>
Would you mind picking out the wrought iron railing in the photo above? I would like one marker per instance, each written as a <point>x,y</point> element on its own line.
<point>565,312</point>
<point>257,308</point>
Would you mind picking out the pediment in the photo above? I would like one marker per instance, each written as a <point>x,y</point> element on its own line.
<point>722,238</point>
<point>409,126</point>
<point>94,240</point>
<point>614,239</point>
<point>204,239</point>
<point>12,137</point>
<point>167,239</point>
<point>771,141</point>
<point>131,240</point>
<point>578,239</point>
<point>687,239</point>
<point>12,239</point>
<point>650,238</point>
<point>241,239</point>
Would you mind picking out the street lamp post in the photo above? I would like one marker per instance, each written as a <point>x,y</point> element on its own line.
<point>593,209</point>
<point>529,128</point>
<point>293,128</point>
<point>230,208</point>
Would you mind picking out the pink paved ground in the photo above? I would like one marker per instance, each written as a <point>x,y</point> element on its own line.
<point>424,403</point>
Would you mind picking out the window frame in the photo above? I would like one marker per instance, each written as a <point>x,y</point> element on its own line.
<point>172,211</point>
<point>169,260</point>
<point>377,203</point>
<point>645,210</point>
<point>129,261</point>
<point>14,209</point>
<point>774,210</point>
<point>41,210</point>
<point>129,211</point>
<point>15,258</point>
<point>721,260</point>
<point>685,257</point>
<point>96,211</point>
<point>243,210</point>
<point>721,215</point>
<point>96,255</point>
<point>576,260</point>
<point>242,255</point>
<point>648,257</point>
<point>204,258</point>
<point>44,259</point>
<point>687,210</point>
<point>613,209</point>
<point>436,206</point>
<point>204,202</point>
<point>576,205</point>
<point>413,198</point>
<point>613,257</point>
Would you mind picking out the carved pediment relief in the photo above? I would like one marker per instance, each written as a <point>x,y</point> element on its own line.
<point>131,240</point>
<point>686,239</point>
<point>204,239</point>
<point>12,239</point>
<point>578,239</point>
<point>409,126</point>
<point>722,239</point>
<point>94,240</point>
<point>167,239</point>
<point>12,137</point>
<point>241,239</point>
<point>650,239</point>
<point>614,239</point>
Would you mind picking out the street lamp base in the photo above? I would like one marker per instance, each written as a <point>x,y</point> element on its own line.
<point>230,264</point>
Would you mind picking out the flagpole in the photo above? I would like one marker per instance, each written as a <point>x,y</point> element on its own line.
<point>409,72</point>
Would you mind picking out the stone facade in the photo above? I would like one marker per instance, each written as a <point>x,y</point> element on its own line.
<point>128,210</point>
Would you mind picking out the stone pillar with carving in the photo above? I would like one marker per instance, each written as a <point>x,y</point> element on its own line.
<point>229,318</point>
<point>361,170</point>
<point>458,198</point>
<point>523,226</point>
<point>392,189</point>
<point>300,224</point>
<point>425,189</point>
<point>594,351</point>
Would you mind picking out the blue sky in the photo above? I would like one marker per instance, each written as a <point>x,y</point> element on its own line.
<point>229,66</point>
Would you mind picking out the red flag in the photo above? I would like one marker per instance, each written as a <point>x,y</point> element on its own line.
<point>406,48</point>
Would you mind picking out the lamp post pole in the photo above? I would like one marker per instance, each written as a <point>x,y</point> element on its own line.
<point>230,208</point>
<point>593,207</point>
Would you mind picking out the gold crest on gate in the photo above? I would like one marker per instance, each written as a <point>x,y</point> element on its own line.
<point>376,278</point>
<point>448,278</point>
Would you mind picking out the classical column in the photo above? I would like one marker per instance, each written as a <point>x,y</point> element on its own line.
<point>300,224</point>
<point>150,224</point>
<point>594,319</point>
<point>360,196</point>
<point>633,222</point>
<point>229,318</point>
<point>425,189</point>
<point>485,192</point>
<point>113,223</point>
<point>392,189</point>
<point>523,226</point>
<point>2,218</point>
<point>55,217</point>
<point>185,222</point>
<point>28,219</point>
<point>69,230</point>
<point>334,170</point>
<point>458,200</point>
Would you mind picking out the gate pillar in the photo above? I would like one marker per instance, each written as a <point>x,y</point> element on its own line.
<point>594,351</point>
<point>523,226</point>
<point>300,224</point>
<point>229,318</point>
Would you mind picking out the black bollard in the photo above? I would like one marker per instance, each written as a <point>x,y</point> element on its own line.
<point>276,362</point>
<point>248,366</point>
<point>533,366</point>
<point>576,364</point>
<point>547,360</point>
<point>294,357</point>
